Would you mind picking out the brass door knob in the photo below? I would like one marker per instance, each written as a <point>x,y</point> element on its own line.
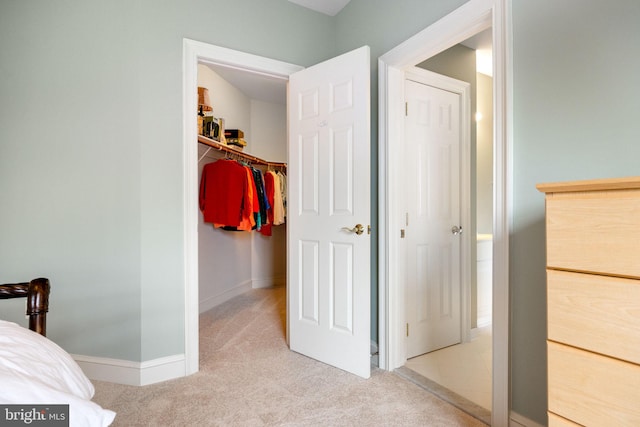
<point>358,229</point>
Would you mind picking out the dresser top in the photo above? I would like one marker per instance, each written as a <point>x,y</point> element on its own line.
<point>627,183</point>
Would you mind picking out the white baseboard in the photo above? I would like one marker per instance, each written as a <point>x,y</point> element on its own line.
<point>132,373</point>
<point>474,333</point>
<point>484,321</point>
<point>517,420</point>
<point>270,282</point>
<point>216,300</point>
<point>165,368</point>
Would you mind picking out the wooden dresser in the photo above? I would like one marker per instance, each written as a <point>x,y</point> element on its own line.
<point>593,302</point>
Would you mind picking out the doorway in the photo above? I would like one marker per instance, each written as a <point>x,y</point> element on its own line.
<point>463,366</point>
<point>231,263</point>
<point>346,140</point>
<point>472,18</point>
<point>198,53</point>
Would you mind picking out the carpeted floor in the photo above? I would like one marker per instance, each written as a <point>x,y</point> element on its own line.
<point>249,377</point>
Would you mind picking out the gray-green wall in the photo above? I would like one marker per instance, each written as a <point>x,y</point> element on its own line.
<point>91,155</point>
<point>576,108</point>
<point>70,168</point>
<point>91,128</point>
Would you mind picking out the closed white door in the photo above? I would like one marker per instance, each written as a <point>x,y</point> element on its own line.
<point>433,218</point>
<point>329,180</point>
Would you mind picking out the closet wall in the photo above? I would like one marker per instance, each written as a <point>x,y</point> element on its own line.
<point>231,263</point>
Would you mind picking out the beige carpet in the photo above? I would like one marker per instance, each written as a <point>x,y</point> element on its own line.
<point>249,377</point>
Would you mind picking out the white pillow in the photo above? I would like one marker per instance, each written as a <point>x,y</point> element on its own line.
<point>35,370</point>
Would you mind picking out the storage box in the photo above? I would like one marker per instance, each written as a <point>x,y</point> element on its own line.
<point>233,133</point>
<point>211,127</point>
<point>237,143</point>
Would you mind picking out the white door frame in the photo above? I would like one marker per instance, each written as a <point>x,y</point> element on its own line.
<point>195,52</point>
<point>466,21</point>
<point>463,89</point>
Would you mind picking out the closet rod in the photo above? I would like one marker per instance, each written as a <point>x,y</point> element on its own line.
<point>222,147</point>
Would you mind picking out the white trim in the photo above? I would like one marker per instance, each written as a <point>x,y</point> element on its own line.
<point>271,282</point>
<point>471,18</point>
<point>193,53</point>
<point>482,322</point>
<point>503,208</point>
<point>216,300</point>
<point>475,333</point>
<point>132,373</point>
<point>463,89</point>
<point>189,152</point>
<point>518,420</point>
<point>390,122</point>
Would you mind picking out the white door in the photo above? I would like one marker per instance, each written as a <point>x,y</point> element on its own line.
<point>329,180</point>
<point>433,218</point>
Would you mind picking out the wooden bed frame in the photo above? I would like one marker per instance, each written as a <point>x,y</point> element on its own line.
<point>37,294</point>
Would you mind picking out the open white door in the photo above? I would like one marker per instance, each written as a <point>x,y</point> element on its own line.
<point>434,227</point>
<point>329,180</point>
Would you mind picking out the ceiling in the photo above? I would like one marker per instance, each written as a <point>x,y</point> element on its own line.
<point>274,90</point>
<point>481,41</point>
<point>328,7</point>
<point>255,86</point>
<point>271,89</point>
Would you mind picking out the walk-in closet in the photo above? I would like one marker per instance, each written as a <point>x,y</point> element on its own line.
<point>231,262</point>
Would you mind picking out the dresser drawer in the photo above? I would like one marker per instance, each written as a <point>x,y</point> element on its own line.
<point>597,313</point>
<point>594,232</point>
<point>593,390</point>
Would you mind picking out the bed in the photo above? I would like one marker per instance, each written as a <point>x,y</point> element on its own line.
<point>36,371</point>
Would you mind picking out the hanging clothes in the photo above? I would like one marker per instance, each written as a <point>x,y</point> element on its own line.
<point>269,193</point>
<point>283,190</point>
<point>225,196</point>
<point>278,207</point>
<point>262,198</point>
<point>248,222</point>
<point>275,214</point>
<point>238,197</point>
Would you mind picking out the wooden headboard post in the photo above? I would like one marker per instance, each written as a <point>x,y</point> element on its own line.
<point>37,294</point>
<point>38,305</point>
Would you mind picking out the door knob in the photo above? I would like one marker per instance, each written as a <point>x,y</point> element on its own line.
<point>358,229</point>
<point>456,230</point>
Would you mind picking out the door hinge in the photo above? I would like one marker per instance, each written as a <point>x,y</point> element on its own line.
<point>407,329</point>
<point>402,233</point>
<point>406,108</point>
<point>406,219</point>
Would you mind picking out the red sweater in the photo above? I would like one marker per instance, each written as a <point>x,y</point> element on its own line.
<point>224,196</point>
